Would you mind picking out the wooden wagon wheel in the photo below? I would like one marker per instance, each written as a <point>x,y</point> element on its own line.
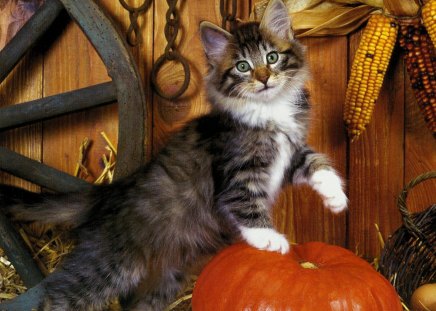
<point>125,88</point>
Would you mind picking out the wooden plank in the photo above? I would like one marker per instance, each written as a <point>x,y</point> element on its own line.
<point>28,35</point>
<point>168,116</point>
<point>303,217</point>
<point>376,163</point>
<point>23,84</point>
<point>420,155</point>
<point>14,16</point>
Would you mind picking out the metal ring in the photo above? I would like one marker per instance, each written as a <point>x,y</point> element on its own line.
<point>155,70</point>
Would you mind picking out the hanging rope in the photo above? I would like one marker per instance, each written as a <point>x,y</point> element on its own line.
<point>171,54</point>
<point>133,35</point>
<point>227,17</point>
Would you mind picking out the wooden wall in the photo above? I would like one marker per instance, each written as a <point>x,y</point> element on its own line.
<point>395,148</point>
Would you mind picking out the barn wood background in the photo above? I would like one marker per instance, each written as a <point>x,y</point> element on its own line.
<point>395,148</point>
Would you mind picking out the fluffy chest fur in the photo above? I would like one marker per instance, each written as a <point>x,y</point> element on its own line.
<point>273,131</point>
<point>280,163</point>
<point>279,112</point>
<point>247,158</point>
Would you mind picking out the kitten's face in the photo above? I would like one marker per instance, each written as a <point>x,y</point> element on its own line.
<point>259,62</point>
<point>258,65</point>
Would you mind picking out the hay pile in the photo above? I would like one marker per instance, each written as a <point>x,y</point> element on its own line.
<point>47,244</point>
<point>10,283</point>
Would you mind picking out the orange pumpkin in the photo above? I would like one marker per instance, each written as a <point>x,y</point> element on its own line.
<point>313,276</point>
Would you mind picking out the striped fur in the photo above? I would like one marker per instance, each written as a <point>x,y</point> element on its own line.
<point>214,182</point>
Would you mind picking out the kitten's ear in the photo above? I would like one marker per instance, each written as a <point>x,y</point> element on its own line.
<point>214,40</point>
<point>276,20</point>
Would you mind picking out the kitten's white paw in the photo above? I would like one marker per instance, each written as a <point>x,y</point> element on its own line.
<point>266,239</point>
<point>329,185</point>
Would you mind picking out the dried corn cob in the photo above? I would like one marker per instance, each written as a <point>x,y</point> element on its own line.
<point>421,67</point>
<point>367,72</point>
<point>429,18</point>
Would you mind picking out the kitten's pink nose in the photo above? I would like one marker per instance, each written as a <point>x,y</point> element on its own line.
<point>262,75</point>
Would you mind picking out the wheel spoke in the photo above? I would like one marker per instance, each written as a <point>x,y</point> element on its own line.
<point>27,301</point>
<point>52,106</point>
<point>39,173</point>
<point>28,35</point>
<point>18,254</point>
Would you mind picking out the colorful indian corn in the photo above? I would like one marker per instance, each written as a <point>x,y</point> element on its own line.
<point>420,58</point>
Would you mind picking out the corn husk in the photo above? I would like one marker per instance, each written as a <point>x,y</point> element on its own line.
<point>404,8</point>
<point>335,17</point>
<point>336,21</point>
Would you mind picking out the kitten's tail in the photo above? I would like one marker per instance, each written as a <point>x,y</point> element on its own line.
<point>46,208</point>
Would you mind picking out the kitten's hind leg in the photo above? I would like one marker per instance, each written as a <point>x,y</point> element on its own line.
<point>89,277</point>
<point>157,294</point>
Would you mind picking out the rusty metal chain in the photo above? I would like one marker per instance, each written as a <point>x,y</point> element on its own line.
<point>133,35</point>
<point>171,54</point>
<point>228,17</point>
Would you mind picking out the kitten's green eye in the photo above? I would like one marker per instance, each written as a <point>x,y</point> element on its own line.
<point>243,66</point>
<point>272,57</point>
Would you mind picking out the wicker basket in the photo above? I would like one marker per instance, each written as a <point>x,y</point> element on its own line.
<point>408,259</point>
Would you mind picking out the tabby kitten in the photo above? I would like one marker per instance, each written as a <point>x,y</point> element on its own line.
<point>213,184</point>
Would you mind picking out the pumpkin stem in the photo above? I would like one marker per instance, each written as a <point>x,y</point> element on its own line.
<point>308,265</point>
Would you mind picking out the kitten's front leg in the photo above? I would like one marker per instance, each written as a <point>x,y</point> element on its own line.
<point>329,186</point>
<point>254,223</point>
<point>244,200</point>
<point>314,169</point>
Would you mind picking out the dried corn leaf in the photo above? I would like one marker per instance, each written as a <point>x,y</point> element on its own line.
<point>298,6</point>
<point>320,18</point>
<point>373,3</point>
<point>293,6</point>
<point>401,7</point>
<point>331,21</point>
